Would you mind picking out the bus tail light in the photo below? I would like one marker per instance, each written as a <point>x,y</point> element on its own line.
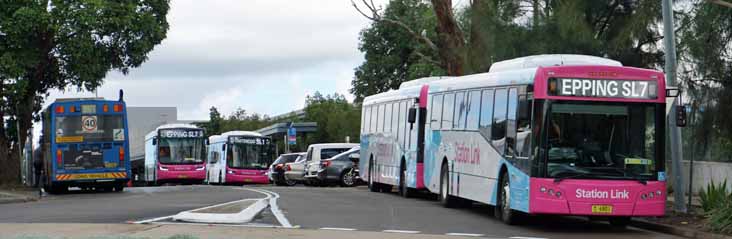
<point>59,159</point>
<point>105,108</point>
<point>59,109</point>
<point>72,109</point>
<point>117,107</point>
<point>121,154</point>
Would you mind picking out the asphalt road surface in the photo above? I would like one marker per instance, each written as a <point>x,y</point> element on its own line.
<point>323,208</point>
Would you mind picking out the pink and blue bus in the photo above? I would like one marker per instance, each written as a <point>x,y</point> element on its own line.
<point>239,157</point>
<point>547,134</point>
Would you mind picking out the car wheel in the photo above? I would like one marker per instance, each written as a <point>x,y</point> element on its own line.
<point>446,199</point>
<point>290,182</point>
<point>348,178</point>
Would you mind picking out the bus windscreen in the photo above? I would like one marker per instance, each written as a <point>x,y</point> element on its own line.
<point>181,150</point>
<point>249,154</point>
<point>596,140</point>
<point>89,128</point>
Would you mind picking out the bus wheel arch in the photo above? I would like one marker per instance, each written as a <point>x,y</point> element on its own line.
<point>445,198</point>
<point>503,209</point>
<point>373,186</point>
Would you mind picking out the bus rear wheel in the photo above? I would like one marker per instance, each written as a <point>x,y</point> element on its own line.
<point>446,199</point>
<point>373,186</point>
<point>404,190</point>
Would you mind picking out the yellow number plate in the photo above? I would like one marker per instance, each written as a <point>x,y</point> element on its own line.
<point>247,180</point>
<point>110,165</point>
<point>182,176</point>
<point>602,209</point>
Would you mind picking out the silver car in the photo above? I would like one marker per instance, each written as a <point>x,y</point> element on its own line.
<point>341,169</point>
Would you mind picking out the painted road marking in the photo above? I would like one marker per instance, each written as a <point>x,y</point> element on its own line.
<point>273,196</point>
<point>464,234</point>
<point>527,238</point>
<point>401,231</point>
<point>337,229</point>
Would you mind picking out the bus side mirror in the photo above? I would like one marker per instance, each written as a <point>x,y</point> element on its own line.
<point>206,141</point>
<point>223,147</point>
<point>681,116</point>
<point>155,141</point>
<point>412,116</point>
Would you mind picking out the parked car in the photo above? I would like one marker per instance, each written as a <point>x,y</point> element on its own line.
<point>277,169</point>
<point>318,152</point>
<point>295,171</point>
<point>341,169</point>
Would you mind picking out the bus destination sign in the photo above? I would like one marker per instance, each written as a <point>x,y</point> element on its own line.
<point>180,133</point>
<point>635,89</point>
<point>249,140</point>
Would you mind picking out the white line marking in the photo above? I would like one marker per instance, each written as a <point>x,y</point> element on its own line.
<point>464,234</point>
<point>337,229</point>
<point>153,220</point>
<point>220,204</point>
<point>401,231</point>
<point>273,196</point>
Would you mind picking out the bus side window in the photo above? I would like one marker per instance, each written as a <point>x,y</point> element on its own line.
<point>523,131</point>
<point>486,114</point>
<point>473,110</point>
<point>365,119</point>
<point>511,122</point>
<point>436,112</point>
<point>379,119</point>
<point>400,120</point>
<point>458,121</point>
<point>498,131</point>
<point>387,119</point>
<point>448,110</point>
<point>372,122</point>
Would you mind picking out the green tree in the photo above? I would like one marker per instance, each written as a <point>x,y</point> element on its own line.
<point>336,118</point>
<point>55,44</point>
<point>393,53</point>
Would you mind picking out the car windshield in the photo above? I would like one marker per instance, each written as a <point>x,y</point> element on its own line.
<point>602,140</point>
<point>286,158</point>
<point>344,155</point>
<point>181,150</point>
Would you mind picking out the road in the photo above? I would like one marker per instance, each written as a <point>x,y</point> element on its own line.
<point>320,208</point>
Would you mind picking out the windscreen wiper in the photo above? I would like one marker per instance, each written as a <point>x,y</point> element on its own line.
<point>557,180</point>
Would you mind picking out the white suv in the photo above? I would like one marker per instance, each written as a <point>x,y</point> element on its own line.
<point>318,152</point>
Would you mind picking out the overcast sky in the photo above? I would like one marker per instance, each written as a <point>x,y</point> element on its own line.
<point>264,56</point>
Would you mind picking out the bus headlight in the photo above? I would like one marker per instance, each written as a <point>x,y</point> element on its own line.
<point>231,172</point>
<point>200,168</point>
<point>163,168</point>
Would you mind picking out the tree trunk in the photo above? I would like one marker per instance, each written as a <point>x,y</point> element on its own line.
<point>451,42</point>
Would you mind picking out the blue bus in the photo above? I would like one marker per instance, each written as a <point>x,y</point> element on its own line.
<point>85,144</point>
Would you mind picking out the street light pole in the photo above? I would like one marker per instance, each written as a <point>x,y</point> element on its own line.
<point>675,132</point>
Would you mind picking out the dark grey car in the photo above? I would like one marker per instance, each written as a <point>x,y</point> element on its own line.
<point>341,169</point>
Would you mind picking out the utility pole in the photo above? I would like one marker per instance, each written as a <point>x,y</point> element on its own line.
<point>675,132</point>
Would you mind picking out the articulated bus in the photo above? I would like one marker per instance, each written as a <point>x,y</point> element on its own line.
<point>175,153</point>
<point>547,134</point>
<point>239,157</point>
<point>85,144</point>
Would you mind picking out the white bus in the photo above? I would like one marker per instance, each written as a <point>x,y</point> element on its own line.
<point>175,153</point>
<point>238,157</point>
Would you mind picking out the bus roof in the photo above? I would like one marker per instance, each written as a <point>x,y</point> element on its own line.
<point>154,132</point>
<point>533,62</point>
<point>225,136</point>
<point>78,99</point>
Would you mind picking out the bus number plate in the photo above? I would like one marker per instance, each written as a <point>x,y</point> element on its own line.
<point>602,209</point>
<point>182,176</point>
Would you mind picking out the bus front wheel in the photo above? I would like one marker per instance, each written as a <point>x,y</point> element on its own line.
<point>404,190</point>
<point>373,186</point>
<point>503,209</point>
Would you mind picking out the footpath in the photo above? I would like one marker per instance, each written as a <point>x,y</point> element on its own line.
<point>17,195</point>
<point>689,225</point>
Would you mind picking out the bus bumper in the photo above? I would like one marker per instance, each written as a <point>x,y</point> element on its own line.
<point>188,175</point>
<point>597,198</point>
<point>238,178</point>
